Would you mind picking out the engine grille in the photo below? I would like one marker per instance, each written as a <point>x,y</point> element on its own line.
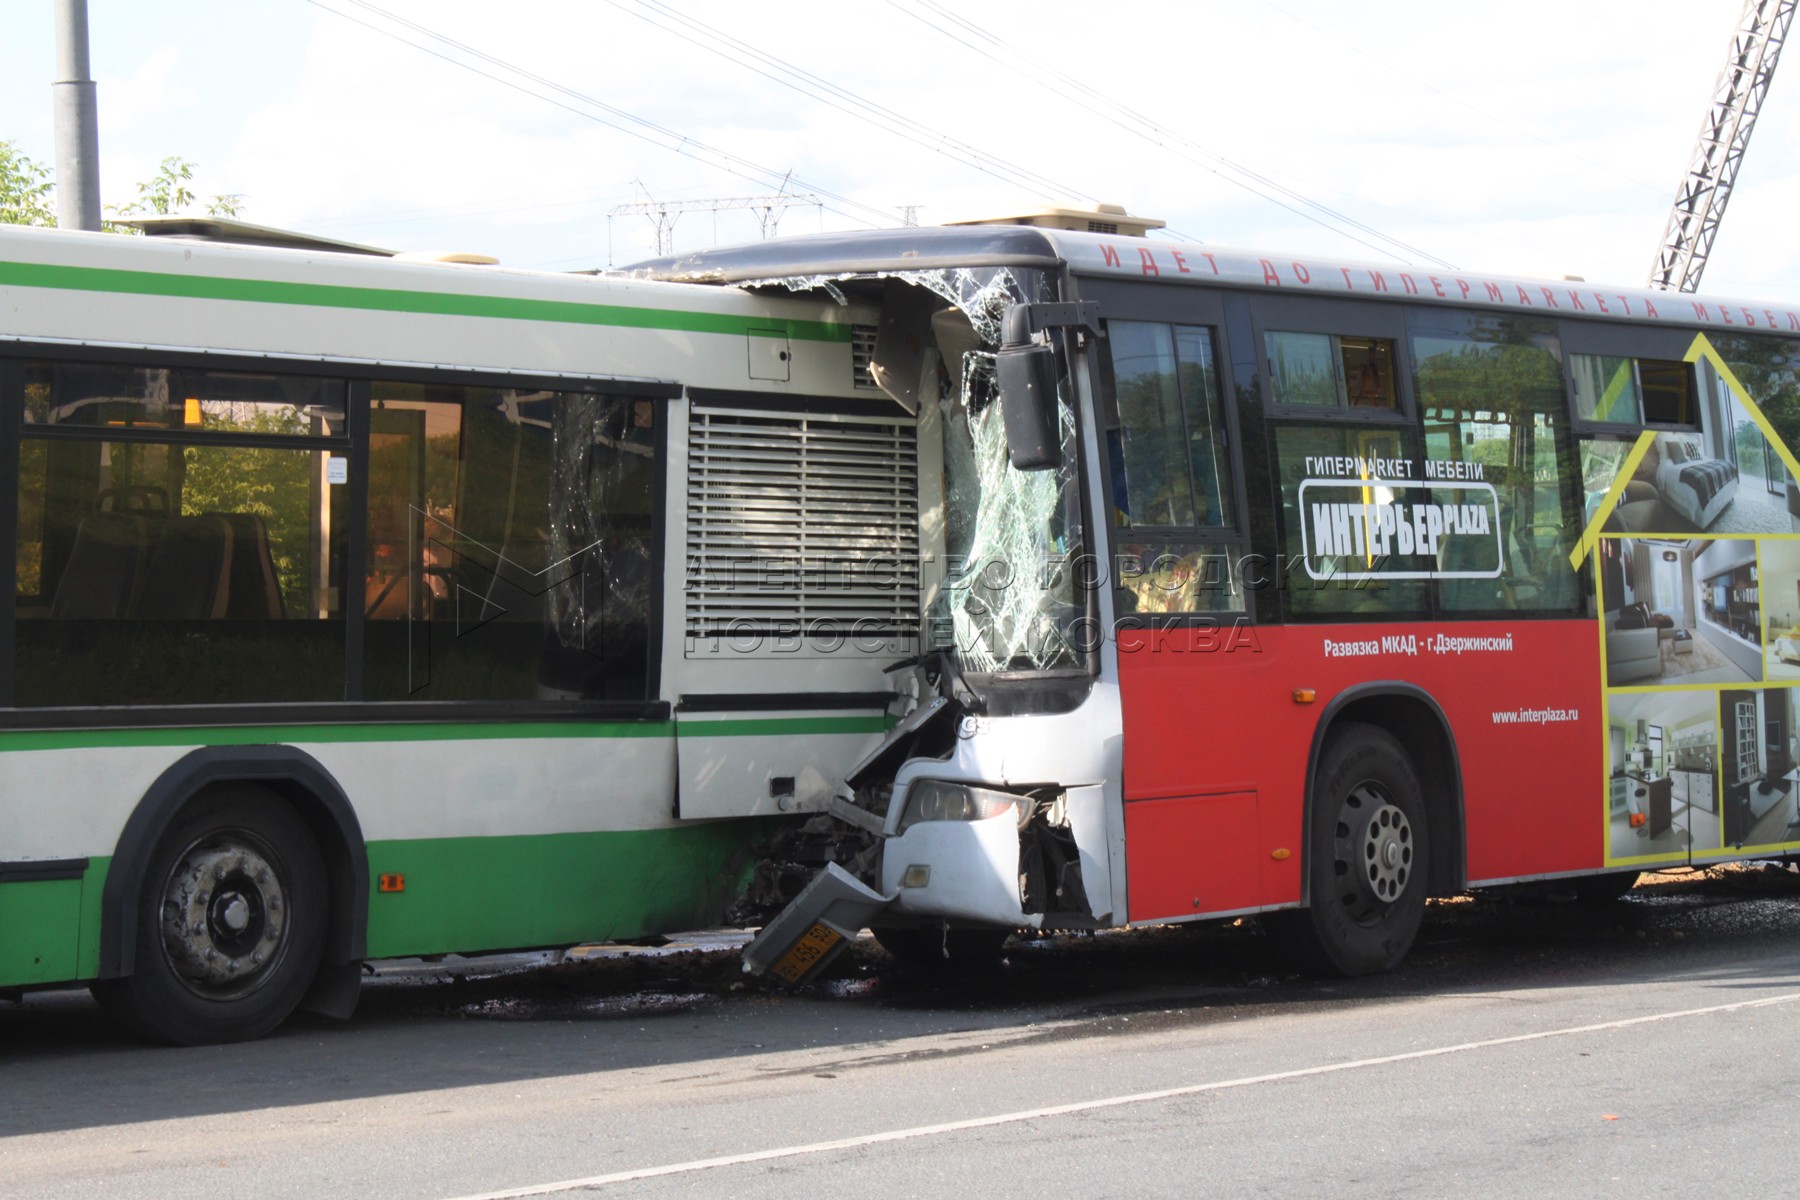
<point>801,525</point>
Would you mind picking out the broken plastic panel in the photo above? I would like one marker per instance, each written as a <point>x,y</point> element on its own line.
<point>815,928</point>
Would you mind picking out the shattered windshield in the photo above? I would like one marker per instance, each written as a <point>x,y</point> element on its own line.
<point>1008,599</point>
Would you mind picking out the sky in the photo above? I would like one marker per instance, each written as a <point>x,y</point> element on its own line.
<point>1539,137</point>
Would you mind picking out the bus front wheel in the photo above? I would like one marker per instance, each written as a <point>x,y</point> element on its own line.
<point>230,923</point>
<point>1366,857</point>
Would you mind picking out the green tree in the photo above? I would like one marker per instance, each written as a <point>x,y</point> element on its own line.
<point>168,192</point>
<point>27,191</point>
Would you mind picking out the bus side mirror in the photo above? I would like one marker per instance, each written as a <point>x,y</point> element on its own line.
<point>1027,376</point>
<point>1026,371</point>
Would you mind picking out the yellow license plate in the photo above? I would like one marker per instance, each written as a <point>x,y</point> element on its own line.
<point>805,954</point>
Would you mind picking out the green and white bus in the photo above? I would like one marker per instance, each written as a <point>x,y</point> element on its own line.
<point>365,607</point>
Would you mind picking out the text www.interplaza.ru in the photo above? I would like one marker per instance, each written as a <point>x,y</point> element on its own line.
<point>1536,716</point>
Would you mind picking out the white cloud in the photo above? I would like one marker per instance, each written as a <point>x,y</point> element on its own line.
<point>154,90</point>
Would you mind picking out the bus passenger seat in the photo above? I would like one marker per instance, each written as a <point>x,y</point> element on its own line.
<point>189,576</point>
<point>105,571</point>
<point>255,593</point>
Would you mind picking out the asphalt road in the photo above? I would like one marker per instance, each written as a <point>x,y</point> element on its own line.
<point>1527,1047</point>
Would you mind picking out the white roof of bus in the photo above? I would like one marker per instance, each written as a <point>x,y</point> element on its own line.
<point>1140,258</point>
<point>1134,258</point>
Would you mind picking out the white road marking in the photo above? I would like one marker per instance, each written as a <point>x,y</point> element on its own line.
<point>1058,1110</point>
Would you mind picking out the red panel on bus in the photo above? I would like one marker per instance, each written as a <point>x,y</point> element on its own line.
<point>1212,711</point>
<point>1192,854</point>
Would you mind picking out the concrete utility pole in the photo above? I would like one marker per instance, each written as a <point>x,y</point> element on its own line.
<point>77,122</point>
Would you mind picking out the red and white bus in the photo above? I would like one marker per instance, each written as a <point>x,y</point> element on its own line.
<point>1257,585</point>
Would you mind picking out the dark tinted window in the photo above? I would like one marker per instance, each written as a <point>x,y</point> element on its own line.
<point>194,401</point>
<point>1632,391</point>
<point>1491,392</point>
<point>1171,472</point>
<point>510,544</point>
<point>1349,495</point>
<point>1329,371</point>
<point>1169,444</point>
<point>152,572</point>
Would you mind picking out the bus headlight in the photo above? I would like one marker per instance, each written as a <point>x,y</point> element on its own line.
<point>939,800</point>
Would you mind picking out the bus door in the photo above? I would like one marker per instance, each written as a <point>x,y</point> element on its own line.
<point>1175,511</point>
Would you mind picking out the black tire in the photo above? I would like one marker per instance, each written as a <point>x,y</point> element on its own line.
<point>1604,889</point>
<point>230,923</point>
<point>936,948</point>
<point>1367,858</point>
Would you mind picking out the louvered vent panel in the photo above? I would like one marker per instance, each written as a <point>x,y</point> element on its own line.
<point>862,353</point>
<point>803,525</point>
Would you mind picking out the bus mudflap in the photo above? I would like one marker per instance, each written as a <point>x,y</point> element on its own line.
<point>806,935</point>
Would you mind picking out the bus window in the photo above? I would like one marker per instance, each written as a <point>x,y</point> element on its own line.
<point>1769,369</point>
<point>1168,447</point>
<point>1322,370</point>
<point>1346,494</point>
<point>1171,477</point>
<point>1606,389</point>
<point>226,402</point>
<point>1632,391</point>
<point>510,544</point>
<point>200,571</point>
<point>1177,577</point>
<point>1491,390</point>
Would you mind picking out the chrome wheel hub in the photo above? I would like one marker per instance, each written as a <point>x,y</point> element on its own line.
<point>1373,851</point>
<point>224,918</point>
<point>1387,853</point>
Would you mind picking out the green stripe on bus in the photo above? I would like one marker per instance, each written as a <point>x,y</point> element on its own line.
<point>471,894</point>
<point>319,295</point>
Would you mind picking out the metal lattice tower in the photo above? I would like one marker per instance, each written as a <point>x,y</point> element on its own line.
<point>1737,98</point>
<point>664,213</point>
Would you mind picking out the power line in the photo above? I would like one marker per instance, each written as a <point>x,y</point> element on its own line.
<point>1145,127</point>
<point>842,99</point>
<point>1157,134</point>
<point>872,112</point>
<point>648,131</point>
<point>1405,71</point>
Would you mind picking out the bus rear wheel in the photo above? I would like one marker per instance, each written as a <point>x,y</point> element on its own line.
<point>230,923</point>
<point>1366,853</point>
